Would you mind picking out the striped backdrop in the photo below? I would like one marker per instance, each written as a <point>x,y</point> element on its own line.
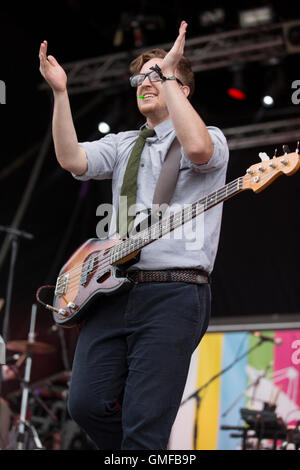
<point>274,369</point>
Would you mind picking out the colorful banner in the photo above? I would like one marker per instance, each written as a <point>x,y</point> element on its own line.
<point>269,373</point>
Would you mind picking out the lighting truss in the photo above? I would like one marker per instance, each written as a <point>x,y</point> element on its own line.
<point>264,134</point>
<point>205,53</point>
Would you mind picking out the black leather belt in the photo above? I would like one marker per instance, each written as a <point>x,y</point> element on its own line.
<point>195,276</point>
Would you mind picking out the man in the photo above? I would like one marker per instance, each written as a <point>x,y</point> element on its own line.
<point>134,348</point>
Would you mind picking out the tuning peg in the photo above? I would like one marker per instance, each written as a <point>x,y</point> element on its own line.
<point>297,148</point>
<point>285,149</point>
<point>263,156</point>
<point>275,153</point>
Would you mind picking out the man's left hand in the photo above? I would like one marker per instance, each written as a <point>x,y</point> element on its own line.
<point>169,64</point>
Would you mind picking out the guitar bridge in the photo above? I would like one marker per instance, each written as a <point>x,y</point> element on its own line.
<point>61,285</point>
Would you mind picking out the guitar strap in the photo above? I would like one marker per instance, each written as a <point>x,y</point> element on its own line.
<point>168,176</point>
<point>166,183</point>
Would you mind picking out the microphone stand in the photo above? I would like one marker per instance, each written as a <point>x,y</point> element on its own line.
<point>253,384</point>
<point>26,389</point>
<point>212,379</point>
<point>15,235</point>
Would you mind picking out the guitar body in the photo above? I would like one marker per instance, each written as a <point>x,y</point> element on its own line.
<point>85,276</point>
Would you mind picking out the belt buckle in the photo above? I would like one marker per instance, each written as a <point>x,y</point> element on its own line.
<point>131,280</point>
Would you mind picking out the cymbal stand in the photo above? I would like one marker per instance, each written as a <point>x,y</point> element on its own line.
<point>25,392</point>
<point>35,435</point>
<point>15,236</point>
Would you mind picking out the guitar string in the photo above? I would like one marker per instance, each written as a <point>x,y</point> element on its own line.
<point>139,238</point>
<point>74,281</point>
<point>103,267</point>
<point>221,190</point>
<point>78,267</point>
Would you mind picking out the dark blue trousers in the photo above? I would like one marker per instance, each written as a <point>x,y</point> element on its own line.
<point>131,363</point>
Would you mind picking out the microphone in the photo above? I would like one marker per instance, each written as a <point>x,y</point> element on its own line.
<point>276,341</point>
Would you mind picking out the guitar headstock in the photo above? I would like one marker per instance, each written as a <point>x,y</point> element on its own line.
<point>260,175</point>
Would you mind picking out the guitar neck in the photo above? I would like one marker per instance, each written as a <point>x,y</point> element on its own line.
<point>170,223</point>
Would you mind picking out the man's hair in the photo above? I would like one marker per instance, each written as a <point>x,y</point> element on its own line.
<point>184,68</point>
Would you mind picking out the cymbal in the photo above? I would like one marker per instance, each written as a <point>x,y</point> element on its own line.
<point>37,347</point>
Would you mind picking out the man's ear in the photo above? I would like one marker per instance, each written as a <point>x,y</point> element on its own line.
<point>186,90</point>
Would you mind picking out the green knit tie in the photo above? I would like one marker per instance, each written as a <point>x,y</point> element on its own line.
<point>129,186</point>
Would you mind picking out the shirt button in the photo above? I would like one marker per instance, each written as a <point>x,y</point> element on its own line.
<point>142,164</point>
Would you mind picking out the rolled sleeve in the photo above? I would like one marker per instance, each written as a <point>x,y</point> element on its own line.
<point>101,157</point>
<point>220,154</point>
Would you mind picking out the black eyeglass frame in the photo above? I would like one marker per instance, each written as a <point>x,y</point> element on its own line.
<point>148,75</point>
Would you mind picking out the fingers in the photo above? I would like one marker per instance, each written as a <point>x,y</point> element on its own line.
<point>178,46</point>
<point>182,31</point>
<point>52,60</point>
<point>44,59</point>
<point>181,36</point>
<point>43,51</point>
<point>182,27</point>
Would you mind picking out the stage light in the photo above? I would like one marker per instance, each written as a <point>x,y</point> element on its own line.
<point>212,17</point>
<point>236,88</point>
<point>268,101</point>
<point>103,127</point>
<point>274,83</point>
<point>256,17</point>
<point>292,36</point>
<point>236,94</point>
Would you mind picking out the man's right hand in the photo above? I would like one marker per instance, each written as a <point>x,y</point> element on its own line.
<point>70,155</point>
<point>50,69</point>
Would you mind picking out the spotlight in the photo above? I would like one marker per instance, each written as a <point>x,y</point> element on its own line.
<point>212,17</point>
<point>274,84</point>
<point>237,89</point>
<point>236,94</point>
<point>103,127</point>
<point>256,17</point>
<point>268,101</point>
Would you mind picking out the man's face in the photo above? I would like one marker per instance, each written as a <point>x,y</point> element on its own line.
<point>153,105</point>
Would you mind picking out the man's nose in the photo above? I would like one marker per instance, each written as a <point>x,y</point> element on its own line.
<point>146,81</point>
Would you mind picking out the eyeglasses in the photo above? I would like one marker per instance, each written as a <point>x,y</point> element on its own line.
<point>137,80</point>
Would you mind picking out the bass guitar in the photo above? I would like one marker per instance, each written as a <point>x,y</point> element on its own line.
<point>98,267</point>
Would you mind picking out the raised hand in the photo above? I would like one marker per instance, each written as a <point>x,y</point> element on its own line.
<point>50,69</point>
<point>174,55</point>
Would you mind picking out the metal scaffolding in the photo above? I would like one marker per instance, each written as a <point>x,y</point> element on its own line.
<point>205,53</point>
<point>109,73</point>
<point>265,133</point>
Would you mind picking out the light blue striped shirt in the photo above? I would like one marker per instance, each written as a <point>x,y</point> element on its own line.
<point>194,245</point>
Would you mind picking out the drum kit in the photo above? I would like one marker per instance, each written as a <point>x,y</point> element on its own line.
<point>35,417</point>
<point>264,430</point>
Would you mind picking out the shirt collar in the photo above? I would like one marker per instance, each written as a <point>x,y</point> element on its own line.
<point>162,129</point>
